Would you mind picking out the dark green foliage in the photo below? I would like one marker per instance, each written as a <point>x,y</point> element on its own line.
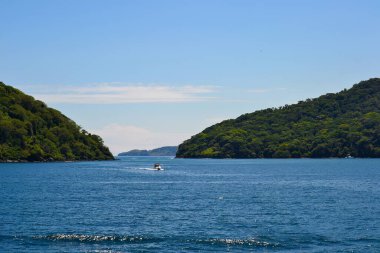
<point>31,131</point>
<point>333,125</point>
<point>163,151</point>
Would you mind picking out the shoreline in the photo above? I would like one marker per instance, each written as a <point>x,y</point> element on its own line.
<point>54,161</point>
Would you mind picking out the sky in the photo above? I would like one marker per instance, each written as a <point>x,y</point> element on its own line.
<point>149,73</point>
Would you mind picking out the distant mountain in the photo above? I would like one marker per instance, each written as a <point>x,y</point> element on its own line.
<point>163,151</point>
<point>31,131</point>
<point>334,125</point>
<point>135,152</point>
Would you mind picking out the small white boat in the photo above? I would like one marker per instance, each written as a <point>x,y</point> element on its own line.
<point>157,166</point>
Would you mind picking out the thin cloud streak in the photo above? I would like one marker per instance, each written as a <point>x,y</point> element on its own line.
<point>123,94</point>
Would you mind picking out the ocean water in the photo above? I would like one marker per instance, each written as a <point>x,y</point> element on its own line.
<point>305,205</point>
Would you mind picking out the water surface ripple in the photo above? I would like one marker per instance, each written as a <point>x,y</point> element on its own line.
<point>305,205</point>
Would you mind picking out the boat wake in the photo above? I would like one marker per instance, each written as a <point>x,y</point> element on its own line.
<point>150,169</point>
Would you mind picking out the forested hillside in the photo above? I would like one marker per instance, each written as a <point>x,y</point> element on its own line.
<point>31,131</point>
<point>334,125</point>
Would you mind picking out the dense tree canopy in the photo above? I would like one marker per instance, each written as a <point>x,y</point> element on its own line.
<point>333,125</point>
<point>31,131</point>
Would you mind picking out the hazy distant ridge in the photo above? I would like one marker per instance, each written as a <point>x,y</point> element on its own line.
<point>163,151</point>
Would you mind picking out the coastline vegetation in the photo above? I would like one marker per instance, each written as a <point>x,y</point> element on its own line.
<point>333,125</point>
<point>31,131</point>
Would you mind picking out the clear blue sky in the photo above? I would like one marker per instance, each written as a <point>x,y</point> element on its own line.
<point>146,73</point>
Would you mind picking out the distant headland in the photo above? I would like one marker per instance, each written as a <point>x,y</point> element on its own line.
<point>163,151</point>
<point>344,124</point>
<point>32,132</point>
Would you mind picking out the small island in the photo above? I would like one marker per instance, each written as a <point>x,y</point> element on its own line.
<point>31,131</point>
<point>345,124</point>
<point>163,151</point>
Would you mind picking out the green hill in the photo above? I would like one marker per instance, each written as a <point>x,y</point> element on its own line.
<point>163,151</point>
<point>31,131</point>
<point>333,125</point>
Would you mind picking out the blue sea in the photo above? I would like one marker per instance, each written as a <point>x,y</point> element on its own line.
<point>294,205</point>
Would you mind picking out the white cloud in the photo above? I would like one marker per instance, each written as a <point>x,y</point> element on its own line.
<point>115,93</point>
<point>121,138</point>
